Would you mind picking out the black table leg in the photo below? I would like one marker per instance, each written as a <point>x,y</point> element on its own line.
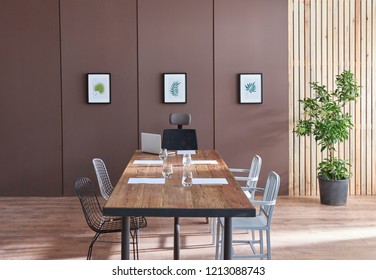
<point>227,238</point>
<point>176,239</point>
<point>125,238</point>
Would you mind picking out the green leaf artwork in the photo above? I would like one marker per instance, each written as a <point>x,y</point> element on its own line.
<point>250,87</point>
<point>174,89</point>
<point>99,88</point>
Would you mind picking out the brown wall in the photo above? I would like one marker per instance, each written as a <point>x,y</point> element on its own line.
<point>176,36</point>
<point>98,36</point>
<point>252,44</point>
<point>49,132</point>
<point>30,111</point>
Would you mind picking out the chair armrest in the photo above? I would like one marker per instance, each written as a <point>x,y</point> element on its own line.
<point>240,170</point>
<point>253,179</point>
<point>251,189</point>
<point>262,202</point>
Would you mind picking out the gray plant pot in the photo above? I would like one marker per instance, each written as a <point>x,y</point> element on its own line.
<point>333,192</point>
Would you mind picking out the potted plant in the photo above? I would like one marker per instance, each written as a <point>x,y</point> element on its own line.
<point>325,118</point>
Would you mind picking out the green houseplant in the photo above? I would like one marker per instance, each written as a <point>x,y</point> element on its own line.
<point>325,118</point>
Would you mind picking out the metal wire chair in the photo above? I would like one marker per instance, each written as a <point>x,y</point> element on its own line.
<point>106,188</point>
<point>98,222</point>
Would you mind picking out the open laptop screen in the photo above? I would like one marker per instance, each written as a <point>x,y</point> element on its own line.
<point>150,143</point>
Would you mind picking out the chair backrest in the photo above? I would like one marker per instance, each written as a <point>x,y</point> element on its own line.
<point>104,182</point>
<point>179,139</point>
<point>180,119</point>
<point>89,203</point>
<point>254,172</point>
<point>270,195</point>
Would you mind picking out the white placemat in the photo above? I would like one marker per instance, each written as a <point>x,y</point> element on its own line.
<point>210,181</point>
<point>142,161</point>
<point>146,181</point>
<point>204,162</point>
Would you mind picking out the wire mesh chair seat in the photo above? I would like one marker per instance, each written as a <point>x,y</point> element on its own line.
<point>98,222</point>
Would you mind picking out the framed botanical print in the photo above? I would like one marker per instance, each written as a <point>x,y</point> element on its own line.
<point>99,88</point>
<point>175,88</point>
<point>250,88</point>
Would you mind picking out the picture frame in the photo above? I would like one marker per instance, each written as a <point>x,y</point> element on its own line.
<point>250,88</point>
<point>99,88</point>
<point>174,88</point>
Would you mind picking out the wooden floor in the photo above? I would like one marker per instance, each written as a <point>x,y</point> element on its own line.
<point>302,228</point>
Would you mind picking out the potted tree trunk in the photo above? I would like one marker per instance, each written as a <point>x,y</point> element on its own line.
<point>325,118</point>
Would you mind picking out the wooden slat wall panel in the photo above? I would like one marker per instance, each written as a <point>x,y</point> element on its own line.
<point>325,38</point>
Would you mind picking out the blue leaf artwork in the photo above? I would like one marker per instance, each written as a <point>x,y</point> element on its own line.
<point>250,87</point>
<point>174,89</point>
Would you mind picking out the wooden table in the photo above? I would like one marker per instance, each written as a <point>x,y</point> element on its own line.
<point>171,199</point>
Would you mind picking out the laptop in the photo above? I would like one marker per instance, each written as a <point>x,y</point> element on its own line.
<point>150,143</point>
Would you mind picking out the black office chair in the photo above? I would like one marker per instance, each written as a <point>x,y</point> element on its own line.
<point>179,138</point>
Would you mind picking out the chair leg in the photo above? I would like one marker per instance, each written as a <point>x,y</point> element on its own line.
<point>261,243</point>
<point>136,247</point>
<point>269,253</point>
<point>217,240</point>
<point>213,229</point>
<point>223,243</point>
<point>88,257</point>
<point>134,235</point>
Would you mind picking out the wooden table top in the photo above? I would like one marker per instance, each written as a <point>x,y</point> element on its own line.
<point>172,199</point>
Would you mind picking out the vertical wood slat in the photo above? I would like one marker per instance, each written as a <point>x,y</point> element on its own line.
<point>325,38</point>
<point>351,64</point>
<point>313,78</point>
<point>290,87</point>
<point>369,95</point>
<point>296,152</point>
<point>372,189</point>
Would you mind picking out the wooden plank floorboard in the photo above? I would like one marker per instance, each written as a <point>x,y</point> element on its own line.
<point>35,228</point>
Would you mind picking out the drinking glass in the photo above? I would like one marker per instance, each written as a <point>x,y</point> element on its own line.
<point>187,178</point>
<point>163,154</point>
<point>167,170</point>
<point>187,160</point>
